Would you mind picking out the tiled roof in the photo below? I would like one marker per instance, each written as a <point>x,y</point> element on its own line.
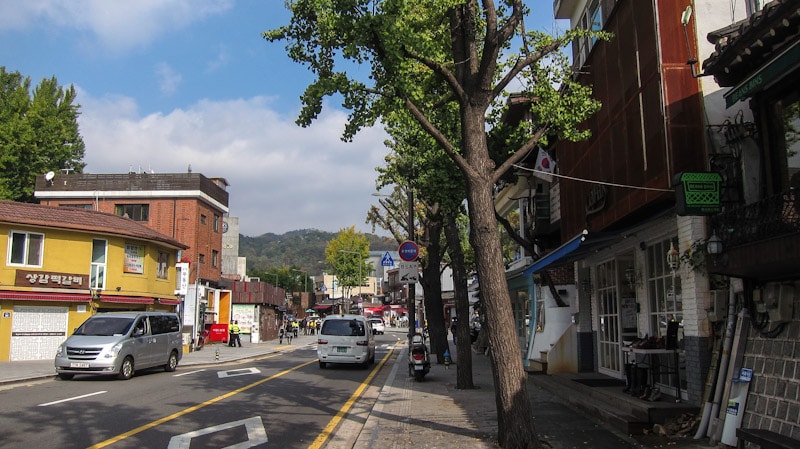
<point>742,47</point>
<point>80,220</point>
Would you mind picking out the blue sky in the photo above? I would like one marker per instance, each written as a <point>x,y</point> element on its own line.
<point>168,84</point>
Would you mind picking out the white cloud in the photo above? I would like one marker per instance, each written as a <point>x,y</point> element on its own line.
<point>168,78</point>
<point>282,177</point>
<point>115,26</point>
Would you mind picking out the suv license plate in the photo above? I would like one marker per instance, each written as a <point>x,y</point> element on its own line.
<point>78,365</point>
<point>341,349</point>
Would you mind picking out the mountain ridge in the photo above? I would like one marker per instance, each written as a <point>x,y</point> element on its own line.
<point>304,248</point>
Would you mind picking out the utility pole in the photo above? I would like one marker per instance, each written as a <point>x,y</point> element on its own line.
<point>411,300</point>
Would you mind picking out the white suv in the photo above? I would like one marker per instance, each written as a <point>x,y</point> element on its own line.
<point>377,326</point>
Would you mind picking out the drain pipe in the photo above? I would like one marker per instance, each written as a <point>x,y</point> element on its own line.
<point>722,369</point>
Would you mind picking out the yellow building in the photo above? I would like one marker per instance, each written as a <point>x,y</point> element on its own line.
<point>64,264</point>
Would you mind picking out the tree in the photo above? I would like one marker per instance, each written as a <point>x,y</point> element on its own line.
<point>347,255</point>
<point>426,54</point>
<point>38,133</point>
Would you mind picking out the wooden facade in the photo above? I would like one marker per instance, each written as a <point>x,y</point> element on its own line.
<point>649,128</point>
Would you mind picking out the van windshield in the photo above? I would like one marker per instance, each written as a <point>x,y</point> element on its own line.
<point>105,326</point>
<point>343,328</point>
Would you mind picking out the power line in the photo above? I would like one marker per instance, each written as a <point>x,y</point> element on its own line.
<point>592,181</point>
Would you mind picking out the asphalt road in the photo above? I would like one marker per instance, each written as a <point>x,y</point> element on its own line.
<point>281,400</point>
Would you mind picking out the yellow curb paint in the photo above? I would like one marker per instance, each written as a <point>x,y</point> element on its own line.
<point>328,430</point>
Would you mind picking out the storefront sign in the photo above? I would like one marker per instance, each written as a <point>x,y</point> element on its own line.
<point>134,259</point>
<point>596,199</point>
<point>25,278</point>
<point>698,193</point>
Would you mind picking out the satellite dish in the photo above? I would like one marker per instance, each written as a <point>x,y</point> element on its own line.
<point>49,176</point>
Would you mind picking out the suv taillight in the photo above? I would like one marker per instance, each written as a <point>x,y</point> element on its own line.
<point>322,342</point>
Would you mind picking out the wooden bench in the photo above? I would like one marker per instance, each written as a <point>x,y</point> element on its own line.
<point>765,439</point>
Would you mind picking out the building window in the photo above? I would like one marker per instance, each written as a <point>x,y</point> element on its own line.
<point>216,223</point>
<point>162,264</point>
<point>214,258</point>
<point>136,212</point>
<point>592,19</point>
<point>201,258</point>
<point>664,290</point>
<point>203,219</point>
<point>25,248</point>
<point>97,273</point>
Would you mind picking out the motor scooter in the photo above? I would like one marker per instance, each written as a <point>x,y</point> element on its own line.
<point>418,362</point>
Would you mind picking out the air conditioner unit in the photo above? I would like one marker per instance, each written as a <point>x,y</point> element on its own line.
<point>778,302</point>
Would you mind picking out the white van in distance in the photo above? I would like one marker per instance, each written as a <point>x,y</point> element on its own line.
<point>345,339</point>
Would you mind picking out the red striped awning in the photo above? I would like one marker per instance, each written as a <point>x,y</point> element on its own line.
<point>169,302</point>
<point>43,296</point>
<point>127,299</point>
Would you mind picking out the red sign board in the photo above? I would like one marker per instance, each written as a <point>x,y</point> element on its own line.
<point>409,251</point>
<point>218,332</point>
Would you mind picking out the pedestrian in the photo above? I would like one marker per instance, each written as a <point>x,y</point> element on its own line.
<point>295,327</point>
<point>235,334</point>
<point>289,333</point>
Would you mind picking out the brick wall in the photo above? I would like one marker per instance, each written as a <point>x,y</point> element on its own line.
<point>773,402</point>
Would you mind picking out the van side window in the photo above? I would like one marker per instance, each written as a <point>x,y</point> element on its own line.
<point>164,324</point>
<point>140,327</point>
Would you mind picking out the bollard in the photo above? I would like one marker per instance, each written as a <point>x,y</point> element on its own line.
<point>216,355</point>
<point>447,359</point>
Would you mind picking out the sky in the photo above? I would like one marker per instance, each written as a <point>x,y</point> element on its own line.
<point>166,86</point>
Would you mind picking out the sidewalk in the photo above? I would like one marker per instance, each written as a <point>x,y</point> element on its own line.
<point>421,415</point>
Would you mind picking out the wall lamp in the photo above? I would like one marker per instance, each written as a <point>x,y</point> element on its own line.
<point>673,257</point>
<point>95,292</point>
<point>714,245</point>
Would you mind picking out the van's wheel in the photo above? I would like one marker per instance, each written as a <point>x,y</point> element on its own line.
<point>65,376</point>
<point>172,362</point>
<point>126,370</point>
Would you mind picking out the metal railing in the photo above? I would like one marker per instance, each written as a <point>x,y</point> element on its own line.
<point>769,218</point>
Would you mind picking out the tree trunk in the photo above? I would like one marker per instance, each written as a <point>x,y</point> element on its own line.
<point>432,284</point>
<point>464,346</point>
<point>515,424</point>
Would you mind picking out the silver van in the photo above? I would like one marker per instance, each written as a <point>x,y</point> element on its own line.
<point>118,343</point>
<point>345,339</point>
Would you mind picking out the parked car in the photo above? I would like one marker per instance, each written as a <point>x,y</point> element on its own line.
<point>377,326</point>
<point>345,339</point>
<point>118,343</point>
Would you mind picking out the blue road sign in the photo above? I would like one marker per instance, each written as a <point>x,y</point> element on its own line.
<point>387,260</point>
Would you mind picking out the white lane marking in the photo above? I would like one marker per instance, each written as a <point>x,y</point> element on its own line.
<point>72,399</point>
<point>237,372</point>
<point>187,373</point>
<point>256,434</point>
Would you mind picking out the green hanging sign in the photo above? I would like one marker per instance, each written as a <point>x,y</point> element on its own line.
<point>698,193</point>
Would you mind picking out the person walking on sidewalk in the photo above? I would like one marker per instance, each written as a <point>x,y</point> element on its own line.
<point>235,330</point>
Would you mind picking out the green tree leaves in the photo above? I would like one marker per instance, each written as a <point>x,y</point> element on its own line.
<point>38,133</point>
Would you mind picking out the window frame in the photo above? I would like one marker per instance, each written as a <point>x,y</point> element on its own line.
<point>133,211</point>
<point>26,249</point>
<point>98,269</point>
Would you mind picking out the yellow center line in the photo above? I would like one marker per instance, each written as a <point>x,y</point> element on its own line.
<point>328,430</point>
<point>193,408</point>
